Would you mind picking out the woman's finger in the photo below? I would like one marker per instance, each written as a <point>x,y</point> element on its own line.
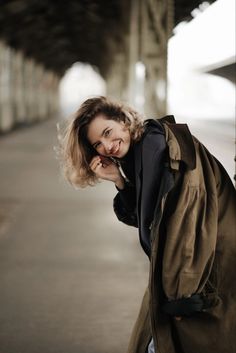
<point>94,159</point>
<point>97,168</point>
<point>178,318</point>
<point>94,165</point>
<point>94,162</point>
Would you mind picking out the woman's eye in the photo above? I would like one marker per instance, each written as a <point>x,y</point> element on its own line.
<point>107,132</point>
<point>97,145</point>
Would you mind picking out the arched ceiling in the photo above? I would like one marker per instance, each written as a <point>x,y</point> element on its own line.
<point>58,33</point>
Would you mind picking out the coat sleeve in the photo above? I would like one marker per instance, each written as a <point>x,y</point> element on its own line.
<point>124,205</point>
<point>191,228</point>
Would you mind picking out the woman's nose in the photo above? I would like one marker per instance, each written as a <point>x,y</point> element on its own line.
<point>108,146</point>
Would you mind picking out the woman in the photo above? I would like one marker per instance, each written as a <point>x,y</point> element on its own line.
<point>183,203</point>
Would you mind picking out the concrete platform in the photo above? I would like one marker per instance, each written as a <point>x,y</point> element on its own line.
<point>71,275</point>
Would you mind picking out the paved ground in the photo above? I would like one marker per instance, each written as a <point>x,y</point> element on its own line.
<point>71,275</point>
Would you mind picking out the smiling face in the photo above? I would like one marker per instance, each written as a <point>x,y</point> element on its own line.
<point>110,138</point>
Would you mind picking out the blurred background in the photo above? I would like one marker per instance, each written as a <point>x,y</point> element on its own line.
<point>72,276</point>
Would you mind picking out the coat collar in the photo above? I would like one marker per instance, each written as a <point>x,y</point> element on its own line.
<point>181,145</point>
<point>180,142</point>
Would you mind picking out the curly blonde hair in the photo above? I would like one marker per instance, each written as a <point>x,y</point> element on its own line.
<point>75,150</point>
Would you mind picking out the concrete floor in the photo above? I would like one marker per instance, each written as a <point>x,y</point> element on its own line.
<point>71,275</point>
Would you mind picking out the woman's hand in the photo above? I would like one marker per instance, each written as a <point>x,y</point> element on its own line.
<point>178,318</point>
<point>105,169</point>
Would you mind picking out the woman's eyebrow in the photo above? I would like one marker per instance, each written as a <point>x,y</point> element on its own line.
<point>104,130</point>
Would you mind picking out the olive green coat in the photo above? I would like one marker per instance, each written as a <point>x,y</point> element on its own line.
<point>193,239</point>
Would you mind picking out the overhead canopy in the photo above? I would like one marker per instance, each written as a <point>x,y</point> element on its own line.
<point>58,33</point>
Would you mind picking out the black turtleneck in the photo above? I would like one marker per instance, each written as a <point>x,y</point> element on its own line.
<point>128,194</point>
<point>153,150</point>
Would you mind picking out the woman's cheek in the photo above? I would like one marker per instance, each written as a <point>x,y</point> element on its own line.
<point>100,150</point>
